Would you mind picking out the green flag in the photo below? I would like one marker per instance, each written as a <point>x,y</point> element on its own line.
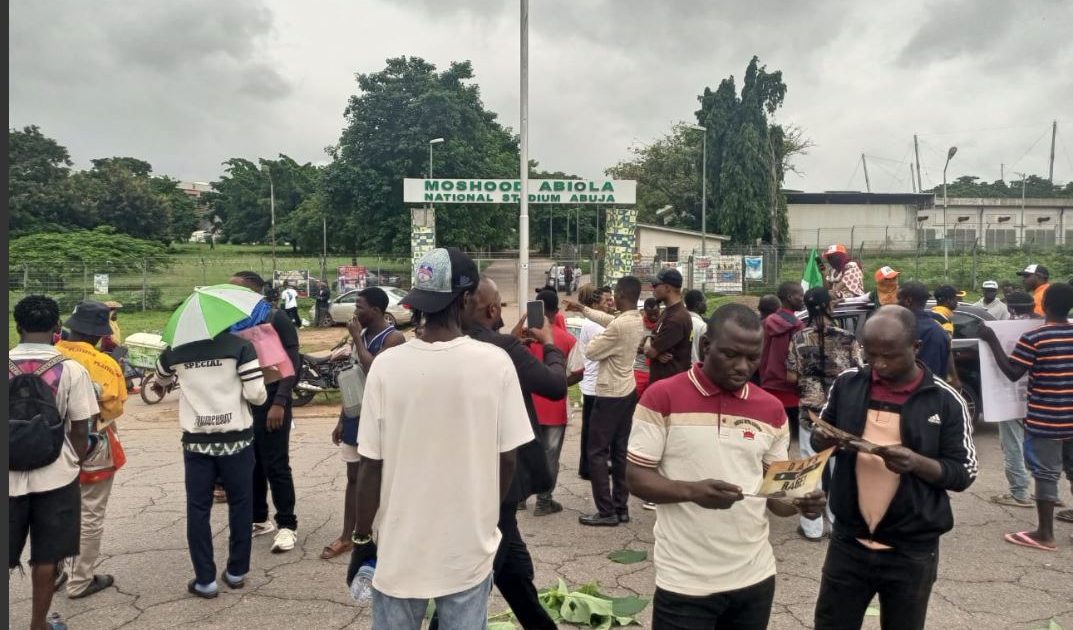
<point>812,277</point>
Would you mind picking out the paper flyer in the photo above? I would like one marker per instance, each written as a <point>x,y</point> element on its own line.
<point>795,478</point>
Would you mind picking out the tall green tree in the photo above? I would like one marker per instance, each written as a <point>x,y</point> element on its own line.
<point>40,195</point>
<point>242,197</point>
<point>388,126</point>
<point>1034,186</point>
<point>746,154</point>
<point>668,173</point>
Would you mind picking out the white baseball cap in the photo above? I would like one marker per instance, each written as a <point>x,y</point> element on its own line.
<point>990,284</point>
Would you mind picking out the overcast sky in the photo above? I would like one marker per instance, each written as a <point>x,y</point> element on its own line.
<point>189,84</point>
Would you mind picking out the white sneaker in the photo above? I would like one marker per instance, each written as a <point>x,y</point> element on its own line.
<point>260,529</point>
<point>284,541</point>
<point>648,505</point>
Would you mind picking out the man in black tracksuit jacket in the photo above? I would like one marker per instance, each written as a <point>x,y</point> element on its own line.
<point>513,566</point>
<point>891,506</point>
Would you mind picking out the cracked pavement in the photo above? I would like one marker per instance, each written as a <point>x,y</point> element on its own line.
<point>984,583</point>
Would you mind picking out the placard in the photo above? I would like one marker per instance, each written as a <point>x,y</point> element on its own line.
<point>100,284</point>
<point>351,277</point>
<point>754,267</point>
<point>795,478</point>
<point>299,280</point>
<point>1001,399</point>
<point>722,274</point>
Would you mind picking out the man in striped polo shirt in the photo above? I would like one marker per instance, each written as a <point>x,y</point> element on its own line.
<point>700,439</point>
<point>1046,355</point>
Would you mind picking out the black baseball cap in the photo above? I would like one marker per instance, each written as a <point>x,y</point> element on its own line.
<point>945,292</point>
<point>440,276</point>
<point>90,318</point>
<point>668,275</point>
<point>1039,270</point>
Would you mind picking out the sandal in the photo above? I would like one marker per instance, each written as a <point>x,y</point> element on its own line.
<point>1065,515</point>
<point>219,495</point>
<point>1024,540</point>
<point>335,549</point>
<point>1009,499</point>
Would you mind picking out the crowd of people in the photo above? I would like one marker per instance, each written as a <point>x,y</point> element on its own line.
<point>682,411</point>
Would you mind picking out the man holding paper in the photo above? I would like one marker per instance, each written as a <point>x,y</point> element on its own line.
<point>889,489</point>
<point>700,441</point>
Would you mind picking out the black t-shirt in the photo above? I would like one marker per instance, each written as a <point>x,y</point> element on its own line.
<point>673,334</point>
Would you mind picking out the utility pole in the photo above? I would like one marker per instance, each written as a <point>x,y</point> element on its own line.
<point>1002,172</point>
<point>912,181</point>
<point>523,150</point>
<point>867,183</point>
<point>1054,133</point>
<point>272,207</point>
<point>1024,178</point>
<point>916,149</point>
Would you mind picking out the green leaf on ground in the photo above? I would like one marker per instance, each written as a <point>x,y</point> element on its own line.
<point>627,606</point>
<point>501,625</point>
<point>628,556</point>
<point>588,607</point>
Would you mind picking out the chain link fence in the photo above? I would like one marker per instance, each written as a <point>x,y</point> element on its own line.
<point>161,284</point>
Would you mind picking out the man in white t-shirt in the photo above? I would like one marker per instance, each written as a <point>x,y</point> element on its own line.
<point>697,307</point>
<point>436,467</point>
<point>45,503</point>
<point>600,299</point>
<point>290,304</point>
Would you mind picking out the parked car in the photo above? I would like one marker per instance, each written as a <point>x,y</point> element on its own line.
<point>341,308</point>
<point>967,321</point>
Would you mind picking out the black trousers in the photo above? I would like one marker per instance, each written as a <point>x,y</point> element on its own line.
<point>744,609</point>
<point>201,474</point>
<point>587,403</point>
<point>512,572</point>
<point>293,314</point>
<point>272,468</point>
<point>609,434</point>
<point>853,574</point>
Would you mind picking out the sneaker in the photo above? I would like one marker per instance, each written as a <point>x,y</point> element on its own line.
<point>648,505</point>
<point>284,541</point>
<point>1009,499</point>
<point>260,529</point>
<point>543,508</point>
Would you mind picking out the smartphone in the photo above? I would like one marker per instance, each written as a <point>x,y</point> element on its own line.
<point>534,314</point>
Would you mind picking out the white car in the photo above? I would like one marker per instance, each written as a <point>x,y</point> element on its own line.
<point>341,308</point>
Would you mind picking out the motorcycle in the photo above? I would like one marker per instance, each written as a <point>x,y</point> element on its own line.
<point>320,375</point>
<point>152,396</point>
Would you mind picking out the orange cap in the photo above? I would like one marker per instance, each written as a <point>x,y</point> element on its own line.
<point>886,273</point>
<point>834,249</point>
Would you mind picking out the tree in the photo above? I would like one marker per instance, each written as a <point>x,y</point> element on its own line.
<point>119,192</point>
<point>668,174</point>
<point>388,126</point>
<point>242,199</point>
<point>40,197</point>
<point>747,156</point>
<point>972,186</point>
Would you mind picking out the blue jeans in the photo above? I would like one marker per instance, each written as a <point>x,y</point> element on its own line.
<point>1011,435</point>
<point>812,527</point>
<point>236,473</point>
<point>1046,457</point>
<point>467,610</point>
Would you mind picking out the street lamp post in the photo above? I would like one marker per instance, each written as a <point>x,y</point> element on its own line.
<point>272,210</point>
<point>703,194</point>
<point>1023,179</point>
<point>946,241</point>
<point>523,163</point>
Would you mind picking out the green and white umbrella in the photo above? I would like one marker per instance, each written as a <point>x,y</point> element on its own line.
<point>208,312</point>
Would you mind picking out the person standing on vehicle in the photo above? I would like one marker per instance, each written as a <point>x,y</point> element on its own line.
<point>891,506</point>
<point>817,355</point>
<point>272,434</point>
<point>370,334</point>
<point>616,396</point>
<point>947,299</point>
<point>1036,279</point>
<point>115,339</point>
<point>324,300</point>
<point>697,307</point>
<point>438,538</point>
<point>290,304</point>
<point>886,286</point>
<point>568,278</point>
<point>845,279</point>
<point>44,503</point>
<point>88,326</point>
<point>1046,355</point>
<point>990,301</point>
<point>700,439</point>
<point>934,347</point>
<point>670,349</point>
<point>779,330</point>
<point>219,380</point>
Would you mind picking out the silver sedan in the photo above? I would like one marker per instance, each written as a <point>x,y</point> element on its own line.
<point>341,308</point>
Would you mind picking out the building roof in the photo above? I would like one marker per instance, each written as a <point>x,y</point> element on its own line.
<point>921,200</point>
<point>663,228</point>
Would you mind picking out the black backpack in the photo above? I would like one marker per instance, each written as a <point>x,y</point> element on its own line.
<point>35,430</point>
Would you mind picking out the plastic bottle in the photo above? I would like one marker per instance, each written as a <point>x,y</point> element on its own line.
<point>361,589</point>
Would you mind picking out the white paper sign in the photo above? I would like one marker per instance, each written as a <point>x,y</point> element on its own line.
<point>100,284</point>
<point>1003,400</point>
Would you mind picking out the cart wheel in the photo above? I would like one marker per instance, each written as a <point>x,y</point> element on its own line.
<point>150,396</point>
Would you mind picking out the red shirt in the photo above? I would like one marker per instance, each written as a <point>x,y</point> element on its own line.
<point>552,412</point>
<point>883,391</point>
